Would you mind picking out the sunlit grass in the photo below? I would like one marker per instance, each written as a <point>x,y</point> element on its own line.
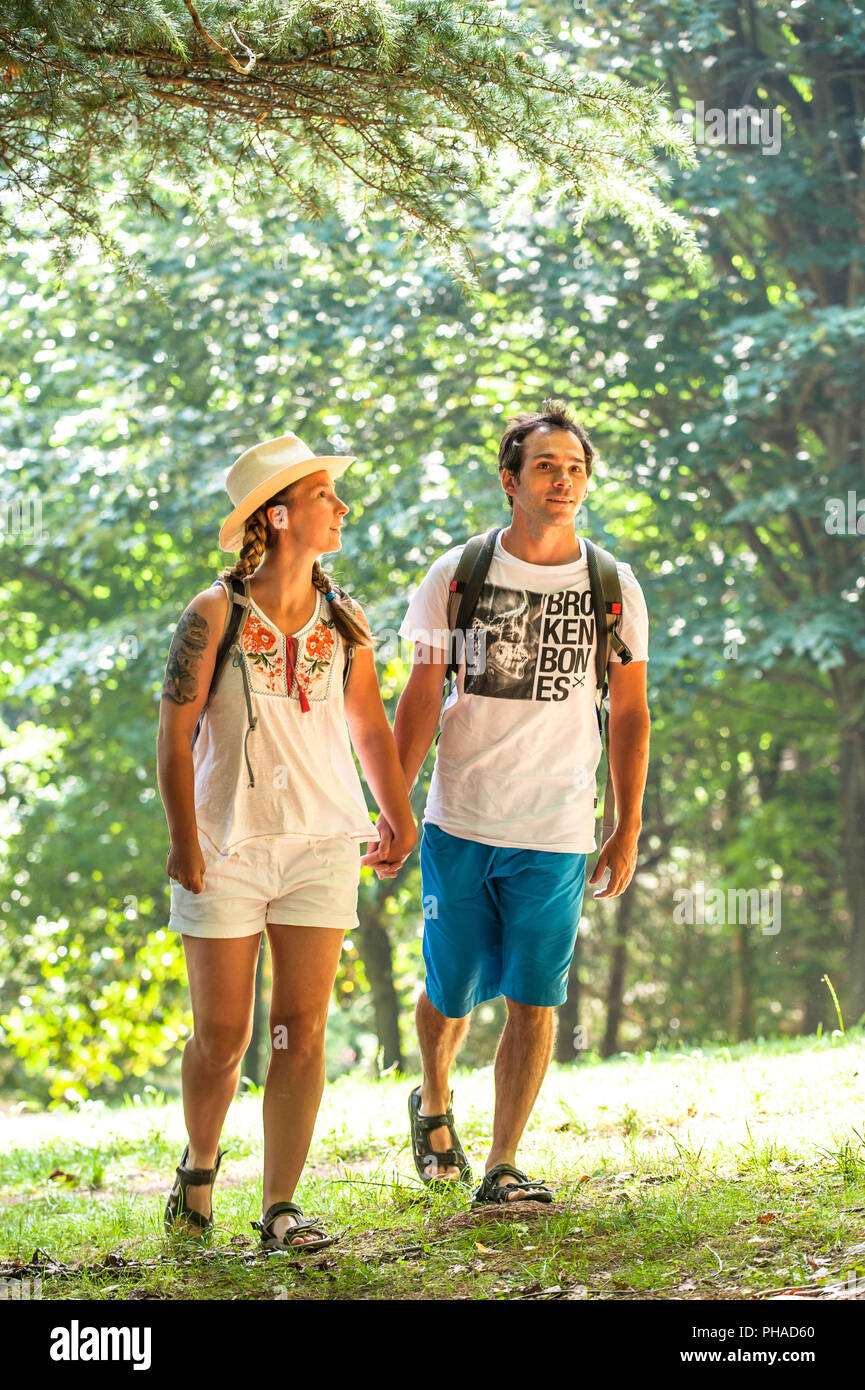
<point>710,1173</point>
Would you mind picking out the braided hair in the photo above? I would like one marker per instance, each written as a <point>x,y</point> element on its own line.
<point>259,536</point>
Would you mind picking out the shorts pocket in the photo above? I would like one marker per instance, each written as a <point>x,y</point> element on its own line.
<point>336,849</point>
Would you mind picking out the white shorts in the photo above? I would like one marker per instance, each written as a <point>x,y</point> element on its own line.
<point>295,880</point>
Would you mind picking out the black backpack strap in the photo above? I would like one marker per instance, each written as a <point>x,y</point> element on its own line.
<point>607,604</point>
<point>348,647</point>
<point>251,721</point>
<point>346,669</point>
<point>465,588</point>
<point>239,607</point>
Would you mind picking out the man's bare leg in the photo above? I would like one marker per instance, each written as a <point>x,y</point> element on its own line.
<point>522,1057</point>
<point>440,1038</point>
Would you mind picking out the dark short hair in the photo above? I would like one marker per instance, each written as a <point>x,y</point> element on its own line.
<point>554,414</point>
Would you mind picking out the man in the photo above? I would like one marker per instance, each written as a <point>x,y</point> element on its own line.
<point>510,816</point>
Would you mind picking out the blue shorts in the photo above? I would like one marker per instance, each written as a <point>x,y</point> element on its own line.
<point>497,921</point>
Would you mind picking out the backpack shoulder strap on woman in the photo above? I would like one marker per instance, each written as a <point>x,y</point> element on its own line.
<point>238,609</point>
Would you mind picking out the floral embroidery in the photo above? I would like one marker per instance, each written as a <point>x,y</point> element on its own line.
<point>315,664</point>
<point>256,637</point>
<point>265,658</point>
<point>270,673</point>
<point>319,645</point>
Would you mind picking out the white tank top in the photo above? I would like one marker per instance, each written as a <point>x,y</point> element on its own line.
<point>304,781</point>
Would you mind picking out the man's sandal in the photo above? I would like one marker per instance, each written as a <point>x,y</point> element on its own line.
<point>424,1155</point>
<point>271,1242</point>
<point>492,1192</point>
<point>176,1209</point>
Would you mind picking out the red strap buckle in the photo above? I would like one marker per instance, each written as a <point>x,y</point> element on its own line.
<point>615,608</point>
<point>453,586</point>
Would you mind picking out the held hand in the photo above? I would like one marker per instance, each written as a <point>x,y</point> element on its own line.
<point>619,855</point>
<point>402,846</point>
<point>377,850</point>
<point>186,867</point>
<point>392,850</point>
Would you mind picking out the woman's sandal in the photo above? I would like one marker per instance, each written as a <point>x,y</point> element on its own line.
<point>424,1155</point>
<point>176,1209</point>
<point>271,1242</point>
<point>492,1192</point>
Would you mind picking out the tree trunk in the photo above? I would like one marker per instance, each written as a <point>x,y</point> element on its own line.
<point>568,1037</point>
<point>743,1004</point>
<point>814,1003</point>
<point>767,767</point>
<point>255,1060</point>
<point>849,694</point>
<point>616,986</point>
<point>375,951</point>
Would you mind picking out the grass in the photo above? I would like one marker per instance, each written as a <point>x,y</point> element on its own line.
<point>715,1173</point>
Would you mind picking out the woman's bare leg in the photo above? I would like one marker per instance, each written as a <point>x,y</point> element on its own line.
<point>305,961</point>
<point>222,990</point>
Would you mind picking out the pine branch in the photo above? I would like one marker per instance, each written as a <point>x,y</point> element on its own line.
<point>404,100</point>
<point>218,48</point>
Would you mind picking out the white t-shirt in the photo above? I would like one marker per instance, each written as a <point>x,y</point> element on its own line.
<point>519,743</point>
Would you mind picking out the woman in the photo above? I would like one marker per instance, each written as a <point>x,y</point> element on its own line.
<point>266,815</point>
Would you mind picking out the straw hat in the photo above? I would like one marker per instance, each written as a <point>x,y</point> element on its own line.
<point>266,469</point>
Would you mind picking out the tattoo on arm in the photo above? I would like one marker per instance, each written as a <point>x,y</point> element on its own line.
<point>184,658</point>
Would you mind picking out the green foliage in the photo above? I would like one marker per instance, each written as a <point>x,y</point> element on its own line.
<point>348,108</point>
<point>725,402</point>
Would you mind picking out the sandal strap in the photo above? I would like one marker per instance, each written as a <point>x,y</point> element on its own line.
<point>427,1122</point>
<point>307,1224</point>
<point>507,1168</point>
<point>280,1209</point>
<point>302,1223</point>
<point>448,1158</point>
<point>424,1123</point>
<point>194,1218</point>
<point>491,1188</point>
<point>198,1177</point>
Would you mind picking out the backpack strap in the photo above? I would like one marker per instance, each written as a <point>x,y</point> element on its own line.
<point>607,602</point>
<point>465,588</point>
<point>251,720</point>
<point>607,605</point>
<point>348,659</point>
<point>239,607</point>
<point>348,647</point>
